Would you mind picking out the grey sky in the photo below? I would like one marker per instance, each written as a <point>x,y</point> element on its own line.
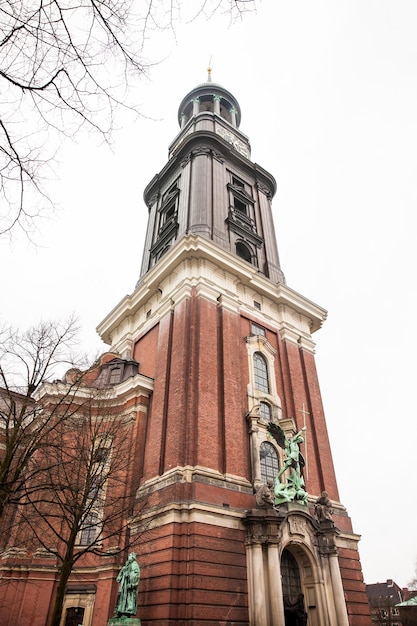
<point>328,94</point>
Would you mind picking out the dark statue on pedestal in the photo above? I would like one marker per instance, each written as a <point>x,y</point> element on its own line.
<point>323,508</point>
<point>127,597</point>
<point>264,495</point>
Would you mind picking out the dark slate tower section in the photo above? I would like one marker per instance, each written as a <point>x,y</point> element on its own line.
<point>211,188</point>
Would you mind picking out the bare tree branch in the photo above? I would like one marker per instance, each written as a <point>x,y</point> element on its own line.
<point>65,64</point>
<point>82,502</point>
<point>27,360</point>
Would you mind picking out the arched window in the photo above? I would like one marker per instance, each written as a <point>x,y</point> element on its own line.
<point>291,582</point>
<point>260,369</point>
<point>265,411</point>
<point>269,461</point>
<point>243,251</point>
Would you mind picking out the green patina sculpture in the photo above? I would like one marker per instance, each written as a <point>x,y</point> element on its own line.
<point>128,579</point>
<point>293,490</point>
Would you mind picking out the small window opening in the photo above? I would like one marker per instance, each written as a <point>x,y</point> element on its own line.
<point>74,616</point>
<point>258,330</point>
<point>243,252</point>
<point>237,182</point>
<point>114,376</point>
<point>170,212</point>
<point>240,206</point>
<point>101,454</point>
<point>265,411</point>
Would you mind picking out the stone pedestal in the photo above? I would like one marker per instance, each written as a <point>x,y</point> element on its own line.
<point>123,621</point>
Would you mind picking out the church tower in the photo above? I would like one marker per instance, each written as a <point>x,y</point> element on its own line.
<point>227,348</point>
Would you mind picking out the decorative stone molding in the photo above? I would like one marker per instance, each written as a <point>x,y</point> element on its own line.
<point>262,526</point>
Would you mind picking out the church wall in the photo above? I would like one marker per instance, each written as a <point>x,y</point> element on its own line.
<point>195,441</point>
<point>201,382</point>
<point>196,484</point>
<point>234,375</point>
<point>156,425</point>
<point>325,478</point>
<point>297,385</point>
<point>196,572</point>
<point>354,586</point>
<point>26,597</point>
<point>176,396</point>
<point>145,351</point>
<point>205,397</point>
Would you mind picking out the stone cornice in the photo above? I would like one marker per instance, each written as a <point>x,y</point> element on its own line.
<point>127,390</point>
<point>212,140</point>
<point>197,262</point>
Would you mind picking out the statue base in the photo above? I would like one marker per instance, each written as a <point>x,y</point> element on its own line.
<point>123,621</point>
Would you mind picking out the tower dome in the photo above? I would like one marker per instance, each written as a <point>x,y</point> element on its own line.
<point>209,97</point>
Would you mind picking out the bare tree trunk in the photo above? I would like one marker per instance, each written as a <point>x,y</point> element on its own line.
<point>64,574</point>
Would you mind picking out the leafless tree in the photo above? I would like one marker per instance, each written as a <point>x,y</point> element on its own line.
<point>83,499</point>
<point>412,585</point>
<point>27,360</point>
<point>65,64</point>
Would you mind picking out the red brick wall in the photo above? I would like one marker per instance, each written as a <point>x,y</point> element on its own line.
<point>199,402</point>
<point>354,587</point>
<point>194,572</point>
<point>145,352</point>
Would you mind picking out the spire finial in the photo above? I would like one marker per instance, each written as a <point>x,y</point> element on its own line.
<point>209,71</point>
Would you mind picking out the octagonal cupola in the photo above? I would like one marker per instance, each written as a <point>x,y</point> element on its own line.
<point>209,97</point>
<point>209,107</point>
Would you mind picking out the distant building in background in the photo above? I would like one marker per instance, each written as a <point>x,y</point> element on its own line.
<point>383,600</point>
<point>408,609</point>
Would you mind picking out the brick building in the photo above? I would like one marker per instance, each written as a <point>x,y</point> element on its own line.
<point>383,600</point>
<point>223,348</point>
<point>392,605</point>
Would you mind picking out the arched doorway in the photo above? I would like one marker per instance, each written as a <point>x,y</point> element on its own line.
<point>294,608</point>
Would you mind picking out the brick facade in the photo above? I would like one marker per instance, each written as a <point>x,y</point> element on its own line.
<point>210,554</point>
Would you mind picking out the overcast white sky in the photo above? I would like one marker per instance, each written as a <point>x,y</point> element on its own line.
<point>328,93</point>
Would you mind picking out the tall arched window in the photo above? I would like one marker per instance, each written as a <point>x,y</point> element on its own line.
<point>294,609</point>
<point>261,372</point>
<point>269,461</point>
<point>291,582</point>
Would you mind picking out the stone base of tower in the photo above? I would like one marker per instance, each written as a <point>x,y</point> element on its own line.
<point>195,574</point>
<point>204,565</point>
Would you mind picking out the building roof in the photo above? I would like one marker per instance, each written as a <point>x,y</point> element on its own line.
<point>410,602</point>
<point>377,592</point>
